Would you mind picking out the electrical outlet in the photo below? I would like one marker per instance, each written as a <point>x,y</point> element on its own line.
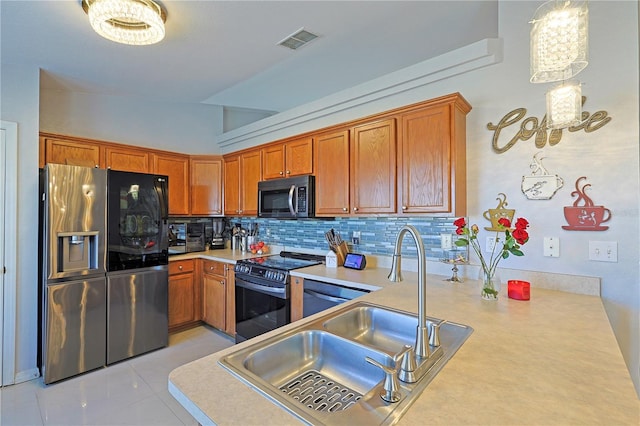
<point>355,237</point>
<point>551,247</point>
<point>446,241</point>
<point>490,244</point>
<point>603,251</point>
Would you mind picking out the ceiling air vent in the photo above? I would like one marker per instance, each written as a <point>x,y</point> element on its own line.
<point>297,39</point>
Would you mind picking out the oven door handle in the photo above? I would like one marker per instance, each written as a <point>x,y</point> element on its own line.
<point>326,296</point>
<point>276,291</point>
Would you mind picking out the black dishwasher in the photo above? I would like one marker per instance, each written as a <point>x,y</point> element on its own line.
<point>319,296</point>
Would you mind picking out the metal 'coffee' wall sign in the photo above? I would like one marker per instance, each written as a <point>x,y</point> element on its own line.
<point>532,126</point>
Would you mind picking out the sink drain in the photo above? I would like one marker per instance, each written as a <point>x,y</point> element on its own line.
<point>320,393</point>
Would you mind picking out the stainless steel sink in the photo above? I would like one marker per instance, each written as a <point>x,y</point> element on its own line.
<point>372,325</point>
<point>317,371</point>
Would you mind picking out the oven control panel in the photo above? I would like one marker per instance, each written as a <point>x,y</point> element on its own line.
<point>262,272</point>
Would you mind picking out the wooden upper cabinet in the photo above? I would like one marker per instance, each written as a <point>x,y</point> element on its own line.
<point>206,185</point>
<point>432,159</point>
<point>127,159</point>
<point>242,172</point>
<point>373,168</point>
<point>250,175</point>
<point>232,185</point>
<point>176,167</point>
<point>73,153</point>
<point>293,158</point>
<point>331,165</point>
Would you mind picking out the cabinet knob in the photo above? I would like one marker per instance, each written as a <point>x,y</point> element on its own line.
<point>221,282</point>
<point>281,173</point>
<point>180,267</point>
<point>404,207</point>
<point>355,209</point>
<point>211,268</point>
<point>288,172</point>
<point>240,211</point>
<point>344,209</point>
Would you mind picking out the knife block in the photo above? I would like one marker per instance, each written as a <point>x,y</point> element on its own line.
<point>341,252</point>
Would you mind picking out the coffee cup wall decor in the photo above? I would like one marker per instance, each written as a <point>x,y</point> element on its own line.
<point>541,185</point>
<point>588,216</point>
<point>494,215</point>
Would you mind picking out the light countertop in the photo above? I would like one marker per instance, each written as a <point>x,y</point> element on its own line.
<point>551,360</point>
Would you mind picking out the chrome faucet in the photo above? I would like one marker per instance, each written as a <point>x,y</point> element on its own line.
<point>421,346</point>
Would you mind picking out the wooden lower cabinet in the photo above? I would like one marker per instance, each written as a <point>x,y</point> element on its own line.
<point>297,296</point>
<point>218,295</point>
<point>184,295</point>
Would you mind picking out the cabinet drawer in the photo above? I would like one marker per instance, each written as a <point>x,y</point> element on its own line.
<point>215,268</point>
<point>181,266</point>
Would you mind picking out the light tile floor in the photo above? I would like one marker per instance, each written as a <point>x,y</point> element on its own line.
<point>132,392</point>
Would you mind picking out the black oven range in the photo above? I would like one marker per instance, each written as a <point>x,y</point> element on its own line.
<point>263,292</point>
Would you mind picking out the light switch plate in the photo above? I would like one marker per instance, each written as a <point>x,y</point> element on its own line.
<point>603,251</point>
<point>446,241</point>
<point>551,247</point>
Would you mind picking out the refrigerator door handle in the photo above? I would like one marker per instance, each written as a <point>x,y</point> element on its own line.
<point>162,190</point>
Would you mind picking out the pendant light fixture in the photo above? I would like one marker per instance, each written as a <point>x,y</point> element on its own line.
<point>559,40</point>
<point>134,22</point>
<point>564,105</point>
<point>559,51</point>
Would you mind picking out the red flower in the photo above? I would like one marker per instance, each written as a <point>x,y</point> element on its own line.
<point>520,235</point>
<point>459,231</point>
<point>504,222</point>
<point>460,223</point>
<point>522,223</point>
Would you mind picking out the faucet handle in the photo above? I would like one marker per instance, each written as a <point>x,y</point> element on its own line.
<point>391,388</point>
<point>407,360</point>
<point>434,332</point>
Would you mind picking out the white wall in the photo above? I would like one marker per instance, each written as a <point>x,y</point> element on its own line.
<point>19,103</point>
<point>160,125</point>
<point>608,157</point>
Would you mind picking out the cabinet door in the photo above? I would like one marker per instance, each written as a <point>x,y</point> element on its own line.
<point>182,297</point>
<point>299,157</point>
<point>214,298</point>
<point>176,167</point>
<point>73,153</point>
<point>232,185</point>
<point>250,175</point>
<point>128,160</point>
<point>373,168</point>
<point>230,305</point>
<point>206,186</point>
<point>273,162</point>
<point>426,160</point>
<point>331,164</point>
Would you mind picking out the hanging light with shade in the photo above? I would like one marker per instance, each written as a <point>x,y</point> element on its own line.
<point>134,22</point>
<point>559,40</point>
<point>559,51</point>
<point>564,105</point>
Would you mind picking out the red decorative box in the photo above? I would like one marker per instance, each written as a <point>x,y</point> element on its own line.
<point>519,290</point>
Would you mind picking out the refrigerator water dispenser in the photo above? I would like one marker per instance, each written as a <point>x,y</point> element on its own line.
<point>78,251</point>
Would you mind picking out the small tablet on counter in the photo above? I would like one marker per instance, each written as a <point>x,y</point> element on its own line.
<point>355,261</point>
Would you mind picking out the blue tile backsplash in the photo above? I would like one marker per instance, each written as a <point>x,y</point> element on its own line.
<point>377,234</point>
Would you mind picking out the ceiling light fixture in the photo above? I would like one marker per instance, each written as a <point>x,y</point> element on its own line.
<point>559,40</point>
<point>135,22</point>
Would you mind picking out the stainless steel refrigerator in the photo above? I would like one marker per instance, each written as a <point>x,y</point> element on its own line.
<point>73,258</point>
<point>103,268</point>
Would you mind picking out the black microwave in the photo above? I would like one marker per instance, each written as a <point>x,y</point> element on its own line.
<point>288,198</point>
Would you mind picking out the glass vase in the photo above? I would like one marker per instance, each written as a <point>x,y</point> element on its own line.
<point>490,285</point>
